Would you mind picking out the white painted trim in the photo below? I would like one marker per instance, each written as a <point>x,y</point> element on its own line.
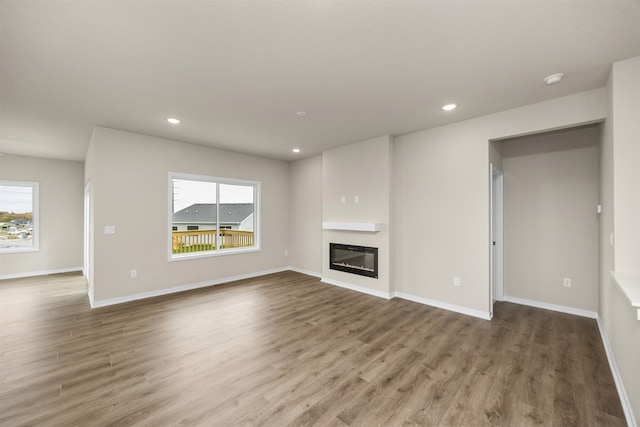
<point>496,251</point>
<point>307,272</point>
<point>629,285</point>
<point>443,305</point>
<point>552,307</point>
<point>167,291</point>
<point>35,217</point>
<point>371,227</point>
<point>40,273</point>
<point>624,399</point>
<point>257,216</point>
<point>361,289</point>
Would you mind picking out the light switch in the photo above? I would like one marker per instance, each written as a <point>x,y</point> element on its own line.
<point>109,229</point>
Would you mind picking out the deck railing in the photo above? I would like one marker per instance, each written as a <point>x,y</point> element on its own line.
<point>205,240</point>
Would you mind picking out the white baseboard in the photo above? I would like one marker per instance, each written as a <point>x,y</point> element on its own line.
<point>307,272</point>
<point>40,273</point>
<point>426,301</point>
<point>167,291</point>
<point>553,307</point>
<point>624,399</point>
<point>444,305</point>
<point>361,289</point>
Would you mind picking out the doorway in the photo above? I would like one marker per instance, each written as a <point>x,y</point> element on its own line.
<point>86,270</point>
<point>497,240</point>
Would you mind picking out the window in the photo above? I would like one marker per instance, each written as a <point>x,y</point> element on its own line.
<point>18,216</point>
<point>212,216</point>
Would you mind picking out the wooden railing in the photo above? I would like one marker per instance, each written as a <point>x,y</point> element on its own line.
<point>205,240</point>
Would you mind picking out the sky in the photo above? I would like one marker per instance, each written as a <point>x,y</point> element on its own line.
<point>186,193</point>
<point>15,199</point>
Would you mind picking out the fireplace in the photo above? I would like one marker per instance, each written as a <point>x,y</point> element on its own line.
<point>360,260</point>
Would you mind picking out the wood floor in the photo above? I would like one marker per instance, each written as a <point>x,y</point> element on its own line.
<point>285,349</point>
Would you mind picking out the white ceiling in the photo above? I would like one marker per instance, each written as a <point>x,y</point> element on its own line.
<point>236,72</point>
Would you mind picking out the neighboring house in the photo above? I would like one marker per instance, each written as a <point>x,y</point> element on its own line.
<point>203,216</point>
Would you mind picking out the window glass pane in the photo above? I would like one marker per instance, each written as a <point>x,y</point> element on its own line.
<point>194,216</point>
<point>212,216</point>
<point>237,218</point>
<point>17,222</point>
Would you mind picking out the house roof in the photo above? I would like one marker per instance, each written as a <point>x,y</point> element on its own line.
<point>202,213</point>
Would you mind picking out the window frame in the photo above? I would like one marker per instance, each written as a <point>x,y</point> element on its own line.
<point>218,181</point>
<point>35,215</point>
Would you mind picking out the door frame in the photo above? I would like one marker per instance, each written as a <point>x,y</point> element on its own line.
<point>496,241</point>
<point>86,269</point>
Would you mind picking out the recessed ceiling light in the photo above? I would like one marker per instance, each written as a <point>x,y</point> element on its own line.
<point>296,150</point>
<point>449,107</point>
<point>301,113</point>
<point>173,121</point>
<point>553,79</point>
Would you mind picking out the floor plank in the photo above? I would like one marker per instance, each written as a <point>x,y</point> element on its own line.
<point>286,349</point>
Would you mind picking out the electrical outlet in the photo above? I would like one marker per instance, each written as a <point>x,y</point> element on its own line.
<point>456,281</point>
<point>566,282</point>
<point>286,252</point>
<point>134,274</point>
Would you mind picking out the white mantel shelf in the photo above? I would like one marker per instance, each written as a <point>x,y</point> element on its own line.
<point>629,284</point>
<point>371,227</point>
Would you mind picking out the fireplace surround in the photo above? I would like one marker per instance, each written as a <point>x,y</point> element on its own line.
<point>361,260</point>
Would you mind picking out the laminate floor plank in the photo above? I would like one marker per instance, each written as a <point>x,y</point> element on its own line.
<point>285,349</point>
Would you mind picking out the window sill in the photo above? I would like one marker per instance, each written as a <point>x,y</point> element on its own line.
<point>14,250</point>
<point>629,285</point>
<point>211,254</point>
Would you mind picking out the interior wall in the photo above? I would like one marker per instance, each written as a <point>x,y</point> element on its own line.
<point>129,177</point>
<point>495,153</point>
<point>362,169</point>
<point>61,219</point>
<point>618,169</point>
<point>305,247</point>
<point>442,207</point>
<point>550,218</point>
<point>626,174</point>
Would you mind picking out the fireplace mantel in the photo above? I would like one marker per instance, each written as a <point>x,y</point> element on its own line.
<point>371,227</point>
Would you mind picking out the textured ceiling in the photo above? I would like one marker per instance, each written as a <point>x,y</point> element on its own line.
<point>236,72</point>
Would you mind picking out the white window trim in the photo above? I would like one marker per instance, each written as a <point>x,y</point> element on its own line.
<point>35,218</point>
<point>219,252</point>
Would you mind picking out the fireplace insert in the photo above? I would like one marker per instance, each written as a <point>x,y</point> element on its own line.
<point>353,259</point>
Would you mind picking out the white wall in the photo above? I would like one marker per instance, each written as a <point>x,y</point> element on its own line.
<point>495,153</point>
<point>550,219</point>
<point>626,160</point>
<point>129,179</point>
<point>305,245</point>
<point>362,169</point>
<point>61,219</point>
<point>442,182</point>
<point>619,194</point>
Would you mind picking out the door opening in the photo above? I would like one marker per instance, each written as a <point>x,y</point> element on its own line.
<point>497,229</point>
<point>87,238</point>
